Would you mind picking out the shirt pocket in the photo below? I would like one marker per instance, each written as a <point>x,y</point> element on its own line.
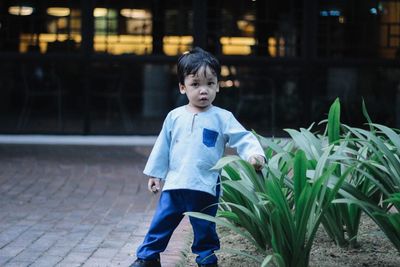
<point>209,137</point>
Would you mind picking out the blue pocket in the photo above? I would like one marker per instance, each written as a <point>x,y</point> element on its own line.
<point>209,137</point>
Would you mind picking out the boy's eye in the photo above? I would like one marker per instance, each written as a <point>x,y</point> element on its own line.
<point>211,83</point>
<point>195,84</point>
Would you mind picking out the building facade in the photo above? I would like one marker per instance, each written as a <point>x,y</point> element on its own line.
<point>108,67</point>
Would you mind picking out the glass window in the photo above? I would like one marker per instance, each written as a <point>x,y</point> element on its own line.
<point>263,28</point>
<point>45,26</point>
<point>127,28</point>
<point>366,29</point>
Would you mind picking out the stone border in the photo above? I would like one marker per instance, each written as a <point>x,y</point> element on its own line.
<point>78,140</point>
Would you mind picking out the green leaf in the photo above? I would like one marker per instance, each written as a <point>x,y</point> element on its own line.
<point>276,257</point>
<point>366,115</point>
<point>334,122</point>
<point>225,161</point>
<point>299,178</point>
<point>225,224</point>
<point>392,135</point>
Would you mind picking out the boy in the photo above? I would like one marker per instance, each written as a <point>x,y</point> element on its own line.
<point>191,141</point>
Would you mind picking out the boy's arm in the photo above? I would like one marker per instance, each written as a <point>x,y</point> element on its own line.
<point>246,144</point>
<point>158,161</point>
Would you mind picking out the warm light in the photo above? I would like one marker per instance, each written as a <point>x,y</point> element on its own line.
<point>272,44</point>
<point>229,83</point>
<point>100,12</point>
<point>272,41</point>
<point>237,45</point>
<point>58,11</point>
<point>241,24</point>
<point>245,26</point>
<point>20,10</point>
<point>114,44</point>
<point>342,19</point>
<point>123,44</point>
<point>45,39</point>
<point>224,71</point>
<point>175,45</point>
<point>135,13</point>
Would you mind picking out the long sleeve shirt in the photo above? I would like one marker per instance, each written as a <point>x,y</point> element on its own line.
<point>190,144</point>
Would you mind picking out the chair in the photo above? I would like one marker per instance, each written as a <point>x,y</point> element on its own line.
<point>39,81</point>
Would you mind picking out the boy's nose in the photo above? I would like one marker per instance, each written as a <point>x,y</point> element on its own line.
<point>203,90</point>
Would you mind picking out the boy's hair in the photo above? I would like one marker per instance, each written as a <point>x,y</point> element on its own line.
<point>190,63</point>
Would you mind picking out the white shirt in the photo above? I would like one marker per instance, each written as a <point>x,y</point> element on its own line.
<point>189,144</point>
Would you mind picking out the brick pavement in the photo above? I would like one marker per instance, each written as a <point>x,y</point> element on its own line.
<point>76,206</point>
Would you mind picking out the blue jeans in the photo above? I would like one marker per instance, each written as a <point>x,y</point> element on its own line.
<point>172,204</point>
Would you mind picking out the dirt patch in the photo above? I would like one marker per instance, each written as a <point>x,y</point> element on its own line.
<point>375,250</point>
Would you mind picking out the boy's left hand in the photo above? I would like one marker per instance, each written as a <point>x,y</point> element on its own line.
<point>257,161</point>
<point>153,185</point>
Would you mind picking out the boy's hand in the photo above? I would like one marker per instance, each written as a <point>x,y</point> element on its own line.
<point>153,185</point>
<point>257,161</point>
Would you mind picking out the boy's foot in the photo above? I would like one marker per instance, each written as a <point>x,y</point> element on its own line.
<point>146,263</point>
<point>208,265</point>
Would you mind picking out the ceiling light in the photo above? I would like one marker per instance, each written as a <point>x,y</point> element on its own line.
<point>58,11</point>
<point>135,13</point>
<point>100,12</point>
<point>20,10</point>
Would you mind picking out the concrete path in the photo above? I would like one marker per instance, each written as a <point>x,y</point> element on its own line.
<point>76,206</point>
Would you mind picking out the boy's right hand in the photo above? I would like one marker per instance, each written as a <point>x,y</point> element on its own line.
<point>153,185</point>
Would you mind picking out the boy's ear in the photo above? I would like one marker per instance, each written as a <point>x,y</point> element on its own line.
<point>182,89</point>
<point>217,88</point>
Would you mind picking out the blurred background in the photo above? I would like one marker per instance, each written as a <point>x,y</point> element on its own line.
<point>109,67</point>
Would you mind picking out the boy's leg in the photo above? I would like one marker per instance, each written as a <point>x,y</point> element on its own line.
<point>165,220</point>
<point>206,240</point>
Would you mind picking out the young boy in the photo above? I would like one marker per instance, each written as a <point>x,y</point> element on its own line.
<point>191,141</point>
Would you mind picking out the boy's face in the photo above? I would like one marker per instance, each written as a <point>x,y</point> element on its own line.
<point>200,89</point>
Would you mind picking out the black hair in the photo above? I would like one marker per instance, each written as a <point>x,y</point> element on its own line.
<point>190,62</point>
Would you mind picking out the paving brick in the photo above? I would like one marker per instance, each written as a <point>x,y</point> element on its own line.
<point>77,256</point>
<point>112,244</point>
<point>28,255</point>
<point>74,206</point>
<point>18,263</point>
<point>46,261</point>
<point>61,251</point>
<point>86,247</point>
<point>10,251</point>
<point>97,262</point>
<point>27,238</point>
<point>69,264</point>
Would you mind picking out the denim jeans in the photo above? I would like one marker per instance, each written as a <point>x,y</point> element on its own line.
<point>168,215</point>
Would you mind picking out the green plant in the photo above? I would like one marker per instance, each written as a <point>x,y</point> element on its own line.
<point>293,229</point>
<point>341,221</point>
<point>281,208</point>
<point>381,160</point>
<point>292,206</point>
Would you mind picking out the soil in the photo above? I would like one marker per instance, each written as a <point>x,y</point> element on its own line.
<point>374,250</point>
